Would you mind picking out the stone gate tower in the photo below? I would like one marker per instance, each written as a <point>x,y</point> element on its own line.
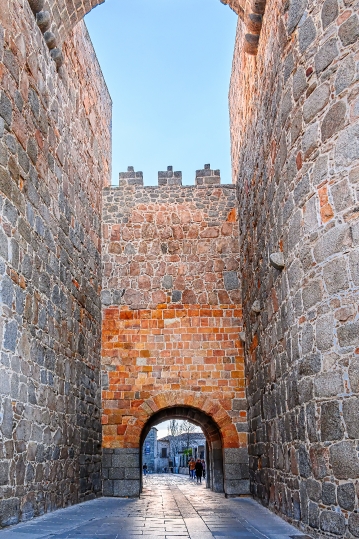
<point>171,322</point>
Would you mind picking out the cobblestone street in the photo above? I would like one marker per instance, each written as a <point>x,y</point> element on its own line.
<point>171,506</point>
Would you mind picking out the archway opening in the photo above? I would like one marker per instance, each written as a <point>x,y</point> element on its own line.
<point>213,437</point>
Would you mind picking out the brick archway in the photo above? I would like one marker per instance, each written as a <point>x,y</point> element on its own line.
<point>66,13</point>
<point>61,17</point>
<point>200,409</point>
<point>227,455</point>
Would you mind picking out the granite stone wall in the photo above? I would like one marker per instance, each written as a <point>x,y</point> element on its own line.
<point>53,164</point>
<point>295,153</point>
<point>171,309</point>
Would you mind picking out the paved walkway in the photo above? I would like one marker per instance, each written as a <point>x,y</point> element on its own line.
<point>171,506</point>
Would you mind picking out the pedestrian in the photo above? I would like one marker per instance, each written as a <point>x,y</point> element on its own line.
<point>199,470</point>
<point>192,468</point>
<point>204,468</point>
<point>144,468</point>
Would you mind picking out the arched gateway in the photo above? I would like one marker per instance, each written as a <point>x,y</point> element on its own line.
<point>171,324</point>
<point>227,463</point>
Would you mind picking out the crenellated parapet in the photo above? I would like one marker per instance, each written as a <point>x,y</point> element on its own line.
<point>169,178</point>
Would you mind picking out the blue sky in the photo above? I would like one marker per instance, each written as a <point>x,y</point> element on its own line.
<point>167,65</point>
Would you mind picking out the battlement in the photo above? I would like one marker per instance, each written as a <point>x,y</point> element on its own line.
<point>169,177</point>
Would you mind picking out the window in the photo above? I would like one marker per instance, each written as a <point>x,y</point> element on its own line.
<point>164,453</point>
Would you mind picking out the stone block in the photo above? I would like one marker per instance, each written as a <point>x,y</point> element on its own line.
<point>349,30</point>
<point>11,335</point>
<point>125,461</point>
<point>345,75</point>
<point>332,522</point>
<point>354,267</point>
<point>348,334</point>
<point>326,54</point>
<point>307,34</point>
<point>347,146</point>
<point>296,11</point>
<point>126,488</point>
<point>354,377</point>
<point>310,364</point>
<point>329,494</point>
<point>236,455</point>
<point>329,384</point>
<point>351,414</point>
<point>117,473</point>
<point>334,241</point>
<point>316,102</point>
<point>329,12</point>
<point>310,140</point>
<point>333,121</point>
<point>344,460</point>
<point>353,524</point>
<point>314,490</point>
<point>236,487</point>
<point>108,488</point>
<point>346,496</point>
<point>231,281</point>
<point>335,276</point>
<point>312,294</point>
<point>313,515</point>
<point>132,473</point>
<point>9,512</point>
<point>299,83</point>
<point>331,427</point>
<point>324,332</point>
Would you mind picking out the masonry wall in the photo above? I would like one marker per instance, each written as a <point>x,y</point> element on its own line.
<point>171,308</point>
<point>54,157</point>
<point>295,150</point>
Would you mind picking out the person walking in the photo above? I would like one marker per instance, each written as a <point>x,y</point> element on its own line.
<point>144,468</point>
<point>204,468</point>
<point>192,468</point>
<point>199,470</point>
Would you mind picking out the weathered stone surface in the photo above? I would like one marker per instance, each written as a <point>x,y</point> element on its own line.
<point>50,266</point>
<point>346,496</point>
<point>332,522</point>
<point>331,426</point>
<point>298,198</point>
<point>333,121</point>
<point>330,12</point>
<point>344,460</point>
<point>296,10</point>
<point>349,30</point>
<point>326,54</point>
<point>351,414</point>
<point>354,524</point>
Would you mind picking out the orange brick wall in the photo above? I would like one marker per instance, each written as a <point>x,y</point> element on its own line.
<point>172,348</point>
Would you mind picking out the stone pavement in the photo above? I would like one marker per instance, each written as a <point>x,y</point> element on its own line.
<point>171,506</point>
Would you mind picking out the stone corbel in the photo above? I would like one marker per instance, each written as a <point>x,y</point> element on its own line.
<point>251,12</point>
<point>43,20</point>
<point>253,18</point>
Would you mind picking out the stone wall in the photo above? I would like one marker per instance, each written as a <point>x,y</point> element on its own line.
<point>52,168</point>
<point>295,151</point>
<point>171,306</point>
